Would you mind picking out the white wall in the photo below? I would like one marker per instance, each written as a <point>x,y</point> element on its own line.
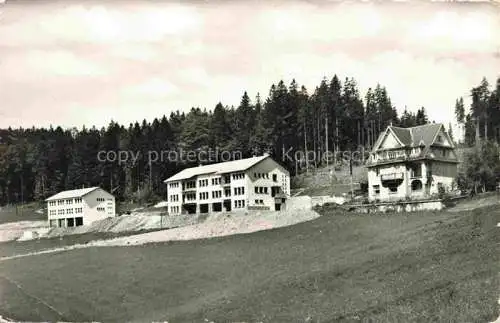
<point>385,194</point>
<point>67,204</point>
<point>174,189</point>
<point>389,141</point>
<point>267,166</point>
<point>241,182</point>
<point>90,202</point>
<point>444,173</point>
<point>248,182</point>
<point>88,205</point>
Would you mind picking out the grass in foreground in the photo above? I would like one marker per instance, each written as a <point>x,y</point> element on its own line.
<point>12,248</point>
<point>424,267</point>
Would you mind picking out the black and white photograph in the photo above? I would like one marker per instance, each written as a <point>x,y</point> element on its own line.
<point>250,161</point>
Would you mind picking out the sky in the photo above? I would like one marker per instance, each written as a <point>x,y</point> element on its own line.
<point>72,63</point>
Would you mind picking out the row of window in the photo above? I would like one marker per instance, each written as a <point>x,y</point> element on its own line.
<point>261,190</point>
<point>191,184</point>
<point>67,211</point>
<point>191,196</point>
<point>174,209</point>
<point>259,202</point>
<point>239,204</point>
<point>101,209</point>
<point>218,180</point>
<point>284,183</point>
<point>76,200</point>
<point>239,176</point>
<point>173,185</point>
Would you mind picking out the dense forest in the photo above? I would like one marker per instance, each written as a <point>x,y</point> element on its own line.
<point>38,162</point>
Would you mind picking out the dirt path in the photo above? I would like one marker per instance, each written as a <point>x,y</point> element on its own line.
<point>14,230</point>
<point>469,205</point>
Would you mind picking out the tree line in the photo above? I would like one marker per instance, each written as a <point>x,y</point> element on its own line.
<point>38,162</point>
<point>481,120</point>
<point>481,165</point>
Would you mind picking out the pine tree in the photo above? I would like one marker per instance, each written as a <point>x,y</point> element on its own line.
<point>460,110</point>
<point>450,132</point>
<point>421,117</point>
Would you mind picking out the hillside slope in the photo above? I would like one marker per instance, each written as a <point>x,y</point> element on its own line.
<point>421,267</point>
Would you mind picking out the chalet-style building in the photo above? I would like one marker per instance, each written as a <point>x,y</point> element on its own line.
<point>411,163</point>
<point>257,183</point>
<point>79,207</point>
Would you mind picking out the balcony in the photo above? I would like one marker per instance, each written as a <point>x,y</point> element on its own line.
<point>396,155</point>
<point>415,175</point>
<point>392,176</point>
<point>226,180</point>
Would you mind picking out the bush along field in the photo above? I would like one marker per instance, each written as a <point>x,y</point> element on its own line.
<point>412,267</point>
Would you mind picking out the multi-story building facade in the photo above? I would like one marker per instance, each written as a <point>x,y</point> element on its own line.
<point>79,207</point>
<point>257,183</point>
<point>411,163</point>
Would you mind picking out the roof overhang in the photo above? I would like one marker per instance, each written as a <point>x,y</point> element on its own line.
<point>55,198</point>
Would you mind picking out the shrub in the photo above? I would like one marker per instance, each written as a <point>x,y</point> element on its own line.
<point>441,191</point>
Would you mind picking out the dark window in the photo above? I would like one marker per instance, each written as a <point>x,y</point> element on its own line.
<point>78,221</point>
<point>416,185</point>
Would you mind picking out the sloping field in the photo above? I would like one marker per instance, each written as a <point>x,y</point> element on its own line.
<point>420,267</point>
<point>470,204</point>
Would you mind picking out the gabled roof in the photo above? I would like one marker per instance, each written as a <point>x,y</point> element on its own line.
<point>414,136</point>
<point>424,135</point>
<point>403,134</point>
<point>219,168</point>
<point>72,193</point>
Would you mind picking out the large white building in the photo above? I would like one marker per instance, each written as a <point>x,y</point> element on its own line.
<point>79,207</point>
<point>257,183</point>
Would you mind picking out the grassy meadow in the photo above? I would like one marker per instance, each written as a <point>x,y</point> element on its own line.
<point>415,267</point>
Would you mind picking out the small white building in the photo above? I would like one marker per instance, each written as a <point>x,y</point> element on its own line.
<point>257,183</point>
<point>80,207</point>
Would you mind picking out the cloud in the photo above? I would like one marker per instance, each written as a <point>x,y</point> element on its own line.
<point>152,89</point>
<point>137,60</point>
<point>450,31</point>
<point>61,63</point>
<point>102,24</point>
